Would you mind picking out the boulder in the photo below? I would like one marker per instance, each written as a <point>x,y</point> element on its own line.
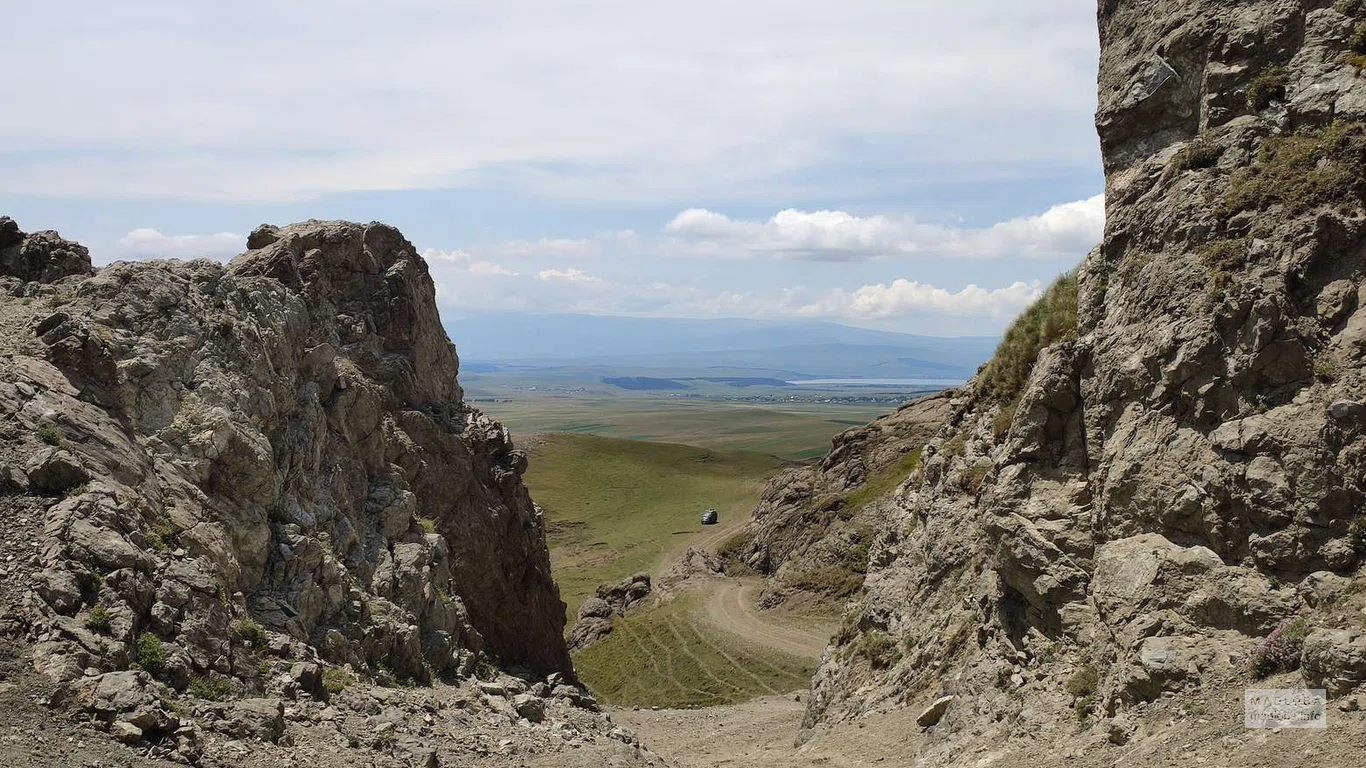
<point>55,471</point>
<point>1335,660</point>
<point>529,706</point>
<point>934,713</point>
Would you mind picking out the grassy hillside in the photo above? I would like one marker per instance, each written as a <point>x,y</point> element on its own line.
<point>671,657</point>
<point>792,431</point>
<point>616,507</point>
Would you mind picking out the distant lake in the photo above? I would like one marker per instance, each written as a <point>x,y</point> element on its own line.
<point>877,382</point>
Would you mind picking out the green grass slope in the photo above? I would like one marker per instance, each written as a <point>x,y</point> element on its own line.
<point>671,657</point>
<point>617,507</point>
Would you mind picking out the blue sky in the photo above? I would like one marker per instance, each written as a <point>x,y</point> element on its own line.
<point>908,165</point>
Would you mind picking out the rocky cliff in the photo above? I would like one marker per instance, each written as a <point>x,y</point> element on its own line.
<point>1165,463</point>
<point>814,524</point>
<point>207,467</point>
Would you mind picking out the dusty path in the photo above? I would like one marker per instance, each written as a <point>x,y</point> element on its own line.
<point>732,607</point>
<point>761,733</point>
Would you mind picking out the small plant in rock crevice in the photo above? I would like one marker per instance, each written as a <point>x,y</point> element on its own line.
<point>49,435</point>
<point>1267,87</point>
<point>211,688</point>
<point>250,632</point>
<point>1280,650</point>
<point>1083,682</point>
<point>99,620</point>
<point>151,654</point>
<point>1198,154</point>
<point>877,648</point>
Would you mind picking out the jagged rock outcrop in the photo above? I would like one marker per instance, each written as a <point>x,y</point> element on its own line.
<point>1181,469</point>
<point>270,458</point>
<point>814,523</point>
<point>594,619</point>
<point>42,257</point>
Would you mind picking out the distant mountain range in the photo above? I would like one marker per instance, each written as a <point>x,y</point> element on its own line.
<point>781,349</point>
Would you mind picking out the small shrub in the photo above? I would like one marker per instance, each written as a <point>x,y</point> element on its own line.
<point>1083,682</point>
<point>1280,650</point>
<point>225,328</point>
<point>1325,370</point>
<point>1196,155</point>
<point>49,435</point>
<point>1084,705</point>
<point>249,632</point>
<point>878,648</point>
<point>1051,319</point>
<point>211,688</point>
<point>335,680</point>
<point>99,619</point>
<point>1357,532</point>
<point>162,536</point>
<point>1267,87</point>
<point>1349,7</point>
<point>427,525</point>
<point>151,653</point>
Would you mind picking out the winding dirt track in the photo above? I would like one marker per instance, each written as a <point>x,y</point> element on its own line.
<point>732,607</point>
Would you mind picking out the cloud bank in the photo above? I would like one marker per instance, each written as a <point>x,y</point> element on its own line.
<point>151,244</point>
<point>612,100</point>
<point>838,236</point>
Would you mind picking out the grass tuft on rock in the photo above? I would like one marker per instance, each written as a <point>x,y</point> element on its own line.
<point>1302,172</point>
<point>1267,87</point>
<point>1051,319</point>
<point>250,632</point>
<point>211,688</point>
<point>1197,154</point>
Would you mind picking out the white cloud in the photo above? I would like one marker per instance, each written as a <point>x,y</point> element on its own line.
<point>152,244</point>
<point>547,246</point>
<point>464,261</point>
<point>570,275</point>
<point>905,297</point>
<point>612,100</point>
<point>1067,229</point>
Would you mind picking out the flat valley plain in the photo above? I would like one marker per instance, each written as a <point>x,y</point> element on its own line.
<point>786,430</point>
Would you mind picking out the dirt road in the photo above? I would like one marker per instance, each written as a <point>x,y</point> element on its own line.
<point>733,607</point>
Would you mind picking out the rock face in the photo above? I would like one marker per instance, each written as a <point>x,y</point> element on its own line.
<point>814,524</point>
<point>272,454</point>
<point>1181,471</point>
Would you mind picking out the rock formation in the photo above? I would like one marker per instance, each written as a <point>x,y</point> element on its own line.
<point>812,529</point>
<point>594,619</point>
<point>270,459</point>
<point>1164,465</point>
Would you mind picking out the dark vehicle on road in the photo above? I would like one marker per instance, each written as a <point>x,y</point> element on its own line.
<point>710,517</point>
